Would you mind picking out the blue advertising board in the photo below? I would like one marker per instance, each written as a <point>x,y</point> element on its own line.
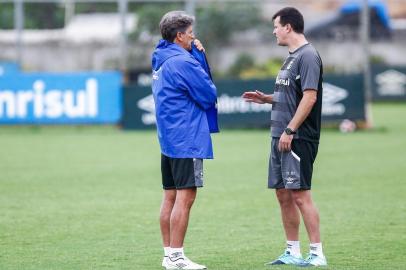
<point>68,98</point>
<point>7,68</point>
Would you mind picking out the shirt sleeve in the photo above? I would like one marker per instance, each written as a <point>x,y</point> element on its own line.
<point>190,76</point>
<point>309,71</point>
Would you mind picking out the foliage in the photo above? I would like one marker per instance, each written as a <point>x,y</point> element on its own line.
<point>244,61</point>
<point>36,16</point>
<point>48,15</point>
<point>377,59</point>
<point>6,16</point>
<point>149,16</point>
<point>245,68</point>
<point>217,22</point>
<point>43,16</point>
<point>96,7</point>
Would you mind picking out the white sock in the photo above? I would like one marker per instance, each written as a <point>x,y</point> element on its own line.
<point>316,248</point>
<point>166,251</point>
<point>176,253</point>
<point>294,248</point>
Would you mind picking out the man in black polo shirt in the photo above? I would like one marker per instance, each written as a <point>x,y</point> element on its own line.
<point>295,128</point>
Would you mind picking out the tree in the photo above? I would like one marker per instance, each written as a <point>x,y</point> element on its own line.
<point>6,15</point>
<point>217,22</point>
<point>149,16</point>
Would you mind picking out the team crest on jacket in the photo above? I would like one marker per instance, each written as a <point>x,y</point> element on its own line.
<point>155,75</point>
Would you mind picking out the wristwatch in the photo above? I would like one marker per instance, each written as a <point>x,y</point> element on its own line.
<point>289,131</point>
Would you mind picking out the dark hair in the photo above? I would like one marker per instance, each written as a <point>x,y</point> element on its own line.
<point>174,22</point>
<point>292,16</point>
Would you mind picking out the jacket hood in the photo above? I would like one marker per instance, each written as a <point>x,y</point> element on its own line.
<point>163,51</point>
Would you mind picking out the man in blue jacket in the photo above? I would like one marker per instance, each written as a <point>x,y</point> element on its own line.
<point>184,94</point>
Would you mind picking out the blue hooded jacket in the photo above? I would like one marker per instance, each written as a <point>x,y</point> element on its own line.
<point>183,92</point>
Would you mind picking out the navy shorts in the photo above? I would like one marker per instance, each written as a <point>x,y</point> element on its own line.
<point>181,173</point>
<point>294,169</point>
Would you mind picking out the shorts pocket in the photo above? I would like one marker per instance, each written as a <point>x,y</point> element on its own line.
<point>198,171</point>
<point>291,170</point>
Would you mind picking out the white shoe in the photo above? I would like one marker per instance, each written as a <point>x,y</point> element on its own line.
<point>314,260</point>
<point>182,263</point>
<point>164,262</point>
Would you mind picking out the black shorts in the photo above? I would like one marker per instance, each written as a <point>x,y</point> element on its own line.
<point>181,173</point>
<point>294,169</point>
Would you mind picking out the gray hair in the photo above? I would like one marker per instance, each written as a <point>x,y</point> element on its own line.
<point>174,22</point>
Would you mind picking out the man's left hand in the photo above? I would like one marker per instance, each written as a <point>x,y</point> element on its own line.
<point>285,142</point>
<point>199,45</point>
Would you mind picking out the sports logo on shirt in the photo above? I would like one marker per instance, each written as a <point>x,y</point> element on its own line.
<point>280,81</point>
<point>288,63</point>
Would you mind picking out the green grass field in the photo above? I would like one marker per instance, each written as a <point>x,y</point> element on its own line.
<point>89,197</point>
